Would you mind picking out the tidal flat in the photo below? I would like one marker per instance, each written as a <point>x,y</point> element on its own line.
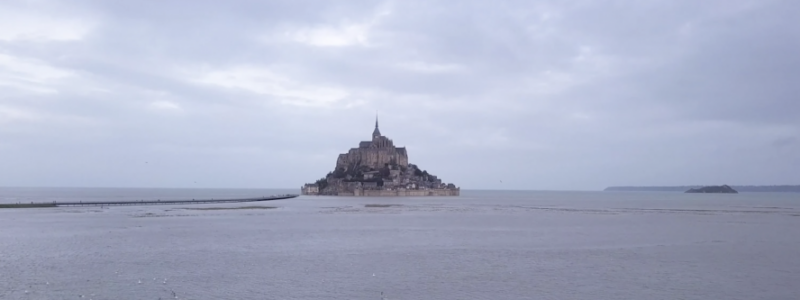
<point>482,245</point>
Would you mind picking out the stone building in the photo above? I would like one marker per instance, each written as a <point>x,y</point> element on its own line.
<point>378,168</point>
<point>310,189</point>
<point>374,154</point>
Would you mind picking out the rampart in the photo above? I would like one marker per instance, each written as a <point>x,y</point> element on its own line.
<point>402,193</point>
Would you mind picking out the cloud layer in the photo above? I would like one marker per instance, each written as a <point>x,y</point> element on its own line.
<point>545,95</point>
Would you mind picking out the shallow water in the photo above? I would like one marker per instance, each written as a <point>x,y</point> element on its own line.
<point>482,245</point>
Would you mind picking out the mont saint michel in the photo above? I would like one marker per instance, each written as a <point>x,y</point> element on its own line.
<point>378,168</point>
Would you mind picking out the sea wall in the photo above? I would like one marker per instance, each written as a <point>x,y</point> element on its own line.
<point>402,193</point>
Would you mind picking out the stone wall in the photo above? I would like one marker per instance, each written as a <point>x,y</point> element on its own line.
<point>309,189</point>
<point>401,193</point>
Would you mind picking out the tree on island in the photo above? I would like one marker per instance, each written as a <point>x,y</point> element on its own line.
<point>339,173</point>
<point>385,171</point>
<point>322,183</point>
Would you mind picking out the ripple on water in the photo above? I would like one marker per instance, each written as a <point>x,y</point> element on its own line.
<point>542,245</point>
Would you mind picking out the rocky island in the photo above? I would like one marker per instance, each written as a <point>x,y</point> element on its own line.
<point>378,168</point>
<point>722,189</point>
<point>683,188</point>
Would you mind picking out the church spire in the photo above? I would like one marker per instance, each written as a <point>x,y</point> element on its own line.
<point>376,133</point>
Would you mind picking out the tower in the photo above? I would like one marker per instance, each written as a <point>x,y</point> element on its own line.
<point>376,133</point>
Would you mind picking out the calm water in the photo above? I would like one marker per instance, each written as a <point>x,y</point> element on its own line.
<point>482,245</point>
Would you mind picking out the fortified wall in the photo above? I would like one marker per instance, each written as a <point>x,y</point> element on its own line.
<point>402,193</point>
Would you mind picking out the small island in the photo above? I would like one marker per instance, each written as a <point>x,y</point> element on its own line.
<point>718,189</point>
<point>378,168</point>
<point>683,188</point>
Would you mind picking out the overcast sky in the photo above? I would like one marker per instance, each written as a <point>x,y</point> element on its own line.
<point>574,95</point>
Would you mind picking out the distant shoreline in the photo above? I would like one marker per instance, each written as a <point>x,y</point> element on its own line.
<point>740,188</point>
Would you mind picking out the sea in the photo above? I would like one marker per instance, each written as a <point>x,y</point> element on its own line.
<point>481,245</point>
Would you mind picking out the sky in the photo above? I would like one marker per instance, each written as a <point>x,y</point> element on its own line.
<point>529,95</point>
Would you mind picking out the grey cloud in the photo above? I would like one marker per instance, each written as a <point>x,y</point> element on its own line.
<point>549,95</point>
<point>785,142</point>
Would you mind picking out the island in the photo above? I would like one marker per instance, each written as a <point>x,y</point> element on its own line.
<point>719,189</point>
<point>738,188</point>
<point>377,168</point>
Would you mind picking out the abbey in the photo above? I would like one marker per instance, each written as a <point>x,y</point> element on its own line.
<point>378,168</point>
<point>375,154</point>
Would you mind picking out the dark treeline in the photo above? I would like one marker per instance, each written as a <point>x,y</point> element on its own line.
<point>739,188</point>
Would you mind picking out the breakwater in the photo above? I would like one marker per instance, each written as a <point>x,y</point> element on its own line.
<point>143,202</point>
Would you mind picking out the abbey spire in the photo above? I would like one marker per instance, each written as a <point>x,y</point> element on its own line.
<point>376,133</point>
